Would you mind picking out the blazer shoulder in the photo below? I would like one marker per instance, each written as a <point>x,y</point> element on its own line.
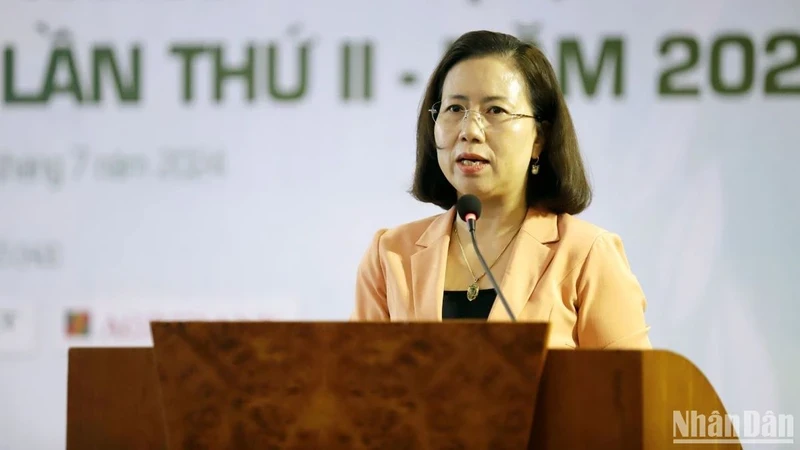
<point>407,234</point>
<point>591,247</point>
<point>579,232</point>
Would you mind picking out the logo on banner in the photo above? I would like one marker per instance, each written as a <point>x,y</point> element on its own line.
<point>77,323</point>
<point>128,326</point>
<point>691,427</point>
<point>131,326</point>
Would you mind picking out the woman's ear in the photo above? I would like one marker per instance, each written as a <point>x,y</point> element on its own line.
<point>538,143</point>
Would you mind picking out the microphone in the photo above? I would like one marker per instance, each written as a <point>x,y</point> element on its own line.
<point>469,210</point>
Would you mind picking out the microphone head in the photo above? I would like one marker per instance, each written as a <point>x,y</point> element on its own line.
<point>469,207</point>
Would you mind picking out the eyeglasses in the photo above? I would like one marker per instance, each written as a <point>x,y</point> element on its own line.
<point>454,115</point>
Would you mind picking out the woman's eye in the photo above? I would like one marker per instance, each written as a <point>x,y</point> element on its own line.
<point>496,110</point>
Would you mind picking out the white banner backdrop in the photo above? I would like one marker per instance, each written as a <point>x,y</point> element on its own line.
<point>205,159</point>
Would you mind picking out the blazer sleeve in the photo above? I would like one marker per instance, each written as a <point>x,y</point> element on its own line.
<point>611,303</point>
<point>370,292</point>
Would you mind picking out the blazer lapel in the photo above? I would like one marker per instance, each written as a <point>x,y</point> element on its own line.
<point>529,259</point>
<point>428,267</point>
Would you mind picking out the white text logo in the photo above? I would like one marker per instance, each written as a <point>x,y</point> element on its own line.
<point>691,427</point>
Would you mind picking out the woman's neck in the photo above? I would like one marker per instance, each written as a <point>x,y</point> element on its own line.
<point>499,220</point>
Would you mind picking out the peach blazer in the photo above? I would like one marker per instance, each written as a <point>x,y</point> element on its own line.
<point>562,270</point>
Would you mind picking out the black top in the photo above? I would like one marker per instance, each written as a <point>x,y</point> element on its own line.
<point>455,305</point>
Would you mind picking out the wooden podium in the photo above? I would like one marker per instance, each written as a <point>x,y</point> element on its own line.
<point>319,385</point>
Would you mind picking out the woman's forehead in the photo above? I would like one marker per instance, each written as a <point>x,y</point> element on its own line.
<point>484,80</point>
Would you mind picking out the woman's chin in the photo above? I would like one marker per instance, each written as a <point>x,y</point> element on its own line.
<point>479,190</point>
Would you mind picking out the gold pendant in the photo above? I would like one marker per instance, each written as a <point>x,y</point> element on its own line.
<point>472,291</point>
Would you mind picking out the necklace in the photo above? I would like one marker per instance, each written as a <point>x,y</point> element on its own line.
<point>472,289</point>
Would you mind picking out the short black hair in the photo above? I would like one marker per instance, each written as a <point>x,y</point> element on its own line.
<point>561,186</point>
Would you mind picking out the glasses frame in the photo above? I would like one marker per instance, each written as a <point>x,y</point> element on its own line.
<point>433,110</point>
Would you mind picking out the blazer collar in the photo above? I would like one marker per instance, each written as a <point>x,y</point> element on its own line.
<point>529,259</point>
<point>542,226</point>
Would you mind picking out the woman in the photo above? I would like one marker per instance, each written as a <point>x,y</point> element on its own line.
<point>494,124</point>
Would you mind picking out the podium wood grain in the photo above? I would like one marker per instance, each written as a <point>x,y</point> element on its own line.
<point>257,386</point>
<point>620,399</point>
<point>348,385</point>
<point>113,401</point>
